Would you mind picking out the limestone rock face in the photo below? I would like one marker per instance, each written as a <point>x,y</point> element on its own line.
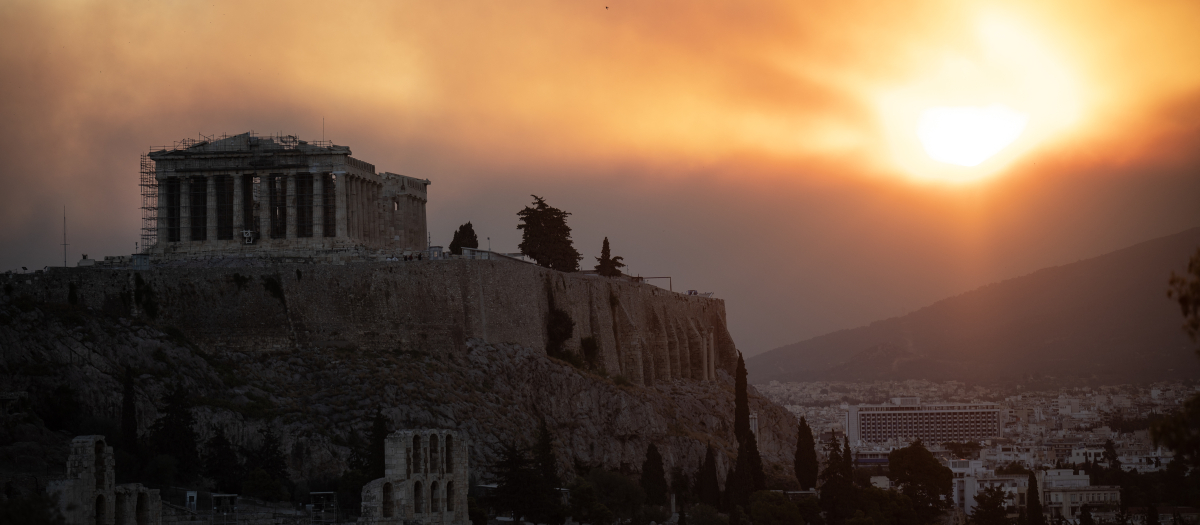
<point>461,347</point>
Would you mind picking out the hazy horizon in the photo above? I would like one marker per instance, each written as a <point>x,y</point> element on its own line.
<point>750,151</point>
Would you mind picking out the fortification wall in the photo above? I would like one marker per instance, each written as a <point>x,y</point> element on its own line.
<point>643,332</point>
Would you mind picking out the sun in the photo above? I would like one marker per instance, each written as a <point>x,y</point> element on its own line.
<point>971,112</point>
<point>967,136</point>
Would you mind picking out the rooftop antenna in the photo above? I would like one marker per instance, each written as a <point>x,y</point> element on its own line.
<point>64,243</point>
<point>322,129</point>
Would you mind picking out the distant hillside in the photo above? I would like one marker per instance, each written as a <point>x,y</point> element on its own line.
<point>1106,319</point>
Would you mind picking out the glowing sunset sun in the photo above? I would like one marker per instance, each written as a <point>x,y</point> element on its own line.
<point>967,136</point>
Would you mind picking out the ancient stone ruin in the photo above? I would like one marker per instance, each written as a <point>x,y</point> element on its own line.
<point>425,478</point>
<point>89,494</point>
<point>245,195</point>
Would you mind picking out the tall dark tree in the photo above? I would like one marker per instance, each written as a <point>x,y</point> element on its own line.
<point>1110,455</point>
<point>654,477</point>
<point>741,402</point>
<point>708,490</point>
<point>847,460</point>
<point>464,237</point>
<point>1180,430</point>
<point>607,265</point>
<point>129,429</point>
<point>922,478</point>
<point>806,464</point>
<point>547,506</point>
<point>546,238</point>
<point>221,463</point>
<point>989,507</point>
<point>837,491</point>
<point>1033,505</point>
<point>376,446</point>
<point>1152,515</point>
<point>748,474</point>
<point>515,474</point>
<point>174,433</point>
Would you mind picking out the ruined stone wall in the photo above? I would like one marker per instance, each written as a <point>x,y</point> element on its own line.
<point>643,332</point>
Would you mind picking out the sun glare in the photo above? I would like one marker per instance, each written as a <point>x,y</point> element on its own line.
<point>971,112</point>
<point>967,136</point>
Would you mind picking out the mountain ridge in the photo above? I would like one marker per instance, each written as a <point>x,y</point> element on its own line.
<point>1105,318</point>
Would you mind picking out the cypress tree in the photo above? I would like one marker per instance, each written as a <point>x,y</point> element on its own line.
<point>547,506</point>
<point>806,457</point>
<point>222,464</point>
<point>608,266</point>
<point>741,406</point>
<point>654,478</point>
<point>129,437</point>
<point>847,460</point>
<point>1034,503</point>
<point>708,490</point>
<point>464,237</point>
<point>832,486</point>
<point>174,433</point>
<point>1152,514</point>
<point>377,450</point>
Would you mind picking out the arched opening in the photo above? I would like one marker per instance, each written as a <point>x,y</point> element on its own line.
<point>387,500</point>
<point>124,508</point>
<point>450,496</point>
<point>433,497</point>
<point>433,451</point>
<point>416,457</point>
<point>449,453</point>
<point>143,509</point>
<point>101,511</point>
<point>99,465</point>
<point>418,498</point>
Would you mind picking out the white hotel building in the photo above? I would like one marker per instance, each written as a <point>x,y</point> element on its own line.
<point>905,418</point>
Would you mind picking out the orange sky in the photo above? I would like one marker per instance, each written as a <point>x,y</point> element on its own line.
<point>765,151</point>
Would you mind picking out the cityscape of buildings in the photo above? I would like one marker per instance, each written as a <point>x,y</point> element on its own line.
<point>1052,432</point>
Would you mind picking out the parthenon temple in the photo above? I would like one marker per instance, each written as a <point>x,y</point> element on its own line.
<point>245,195</point>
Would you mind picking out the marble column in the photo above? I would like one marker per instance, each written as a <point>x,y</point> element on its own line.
<point>185,209</point>
<point>339,204</point>
<point>210,227</point>
<point>238,209</point>
<point>289,203</point>
<point>318,205</point>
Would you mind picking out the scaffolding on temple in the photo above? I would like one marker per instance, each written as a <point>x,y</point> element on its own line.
<point>149,181</point>
<point>149,187</point>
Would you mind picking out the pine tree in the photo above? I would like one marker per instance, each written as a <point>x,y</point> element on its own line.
<point>654,478</point>
<point>608,265</point>
<point>546,238</point>
<point>1034,503</point>
<point>741,403</point>
<point>515,475</point>
<point>129,431</point>
<point>806,457</point>
<point>708,491</point>
<point>268,456</point>
<point>989,507</point>
<point>174,433</point>
<point>464,237</point>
